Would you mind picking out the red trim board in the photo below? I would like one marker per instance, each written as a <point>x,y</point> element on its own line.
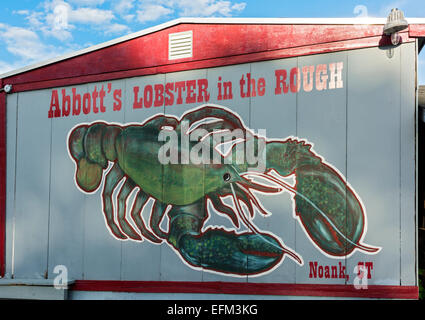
<point>313,290</point>
<point>417,30</point>
<point>211,63</point>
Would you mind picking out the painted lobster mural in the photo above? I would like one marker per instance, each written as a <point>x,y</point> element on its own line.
<point>327,208</point>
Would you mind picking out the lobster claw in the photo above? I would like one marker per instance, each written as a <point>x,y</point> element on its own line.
<point>328,209</point>
<point>221,250</point>
<point>228,252</point>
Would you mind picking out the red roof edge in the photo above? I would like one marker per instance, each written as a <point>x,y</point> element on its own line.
<point>417,30</point>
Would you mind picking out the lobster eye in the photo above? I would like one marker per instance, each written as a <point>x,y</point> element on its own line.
<point>227,177</point>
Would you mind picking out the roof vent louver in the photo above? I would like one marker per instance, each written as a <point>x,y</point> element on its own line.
<point>180,45</point>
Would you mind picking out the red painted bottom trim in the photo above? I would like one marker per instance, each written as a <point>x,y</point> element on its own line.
<point>313,290</point>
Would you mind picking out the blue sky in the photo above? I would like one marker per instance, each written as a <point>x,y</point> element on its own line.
<point>33,31</point>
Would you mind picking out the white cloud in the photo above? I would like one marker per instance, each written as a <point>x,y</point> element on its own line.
<point>50,5</point>
<point>56,19</point>
<point>123,6</point>
<point>90,16</point>
<point>60,34</point>
<point>54,9</point>
<point>116,28</point>
<point>22,12</point>
<point>55,23</point>
<point>87,2</point>
<point>26,46</point>
<point>59,19</point>
<point>6,67</point>
<point>239,6</point>
<point>22,42</point>
<point>152,12</point>
<point>206,8</point>
<point>129,17</point>
<point>35,19</point>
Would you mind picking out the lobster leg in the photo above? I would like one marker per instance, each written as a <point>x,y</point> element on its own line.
<point>220,132</point>
<point>141,199</point>
<point>220,206</point>
<point>224,122</point>
<point>157,214</point>
<point>122,198</point>
<point>112,178</point>
<point>163,121</point>
<point>231,120</point>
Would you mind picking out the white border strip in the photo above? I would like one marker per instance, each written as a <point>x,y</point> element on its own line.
<point>309,21</point>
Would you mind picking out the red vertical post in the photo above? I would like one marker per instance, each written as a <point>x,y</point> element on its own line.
<point>2,181</point>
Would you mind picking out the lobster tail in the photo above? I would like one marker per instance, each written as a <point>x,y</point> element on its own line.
<point>88,175</point>
<point>91,147</point>
<point>76,142</point>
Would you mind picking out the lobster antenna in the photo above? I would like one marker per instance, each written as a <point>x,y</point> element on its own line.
<point>240,212</point>
<point>253,229</point>
<point>288,187</point>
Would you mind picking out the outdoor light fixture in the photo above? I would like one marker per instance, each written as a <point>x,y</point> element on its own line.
<point>395,23</point>
<point>7,88</point>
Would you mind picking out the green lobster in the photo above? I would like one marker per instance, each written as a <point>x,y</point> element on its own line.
<point>327,208</point>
